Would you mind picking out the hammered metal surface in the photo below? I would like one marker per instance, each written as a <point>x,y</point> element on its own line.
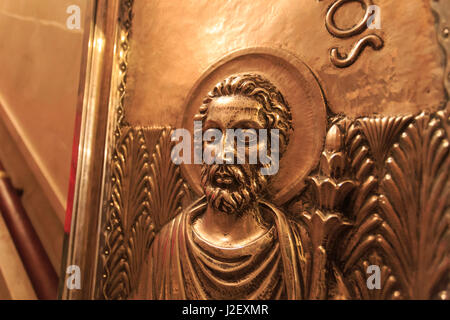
<point>180,41</point>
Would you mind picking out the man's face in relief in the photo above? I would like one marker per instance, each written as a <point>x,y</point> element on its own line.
<point>233,188</point>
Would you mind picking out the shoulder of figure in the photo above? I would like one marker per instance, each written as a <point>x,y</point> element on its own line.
<point>197,206</point>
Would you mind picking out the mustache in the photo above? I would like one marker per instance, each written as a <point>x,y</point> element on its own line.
<point>229,201</point>
<point>232,188</point>
<point>238,173</point>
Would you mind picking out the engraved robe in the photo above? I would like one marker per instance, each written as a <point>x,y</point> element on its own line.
<point>182,265</point>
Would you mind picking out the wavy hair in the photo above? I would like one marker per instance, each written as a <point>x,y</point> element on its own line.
<point>275,112</point>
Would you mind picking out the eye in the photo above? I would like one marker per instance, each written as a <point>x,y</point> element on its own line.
<point>247,136</point>
<point>212,136</point>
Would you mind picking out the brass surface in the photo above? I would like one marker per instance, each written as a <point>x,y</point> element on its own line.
<point>172,50</point>
<point>365,153</point>
<point>3,174</point>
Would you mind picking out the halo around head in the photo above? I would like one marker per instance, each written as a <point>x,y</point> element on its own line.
<point>303,94</point>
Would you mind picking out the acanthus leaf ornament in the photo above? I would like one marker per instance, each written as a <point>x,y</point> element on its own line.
<point>147,191</point>
<point>128,212</point>
<point>329,189</point>
<point>415,193</point>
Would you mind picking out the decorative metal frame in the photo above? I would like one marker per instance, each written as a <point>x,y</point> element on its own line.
<point>101,93</point>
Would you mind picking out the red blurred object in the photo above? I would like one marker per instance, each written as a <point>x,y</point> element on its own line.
<point>42,275</point>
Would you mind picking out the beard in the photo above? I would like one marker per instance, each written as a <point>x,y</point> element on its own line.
<point>232,189</point>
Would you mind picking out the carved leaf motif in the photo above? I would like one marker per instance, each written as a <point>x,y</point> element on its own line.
<point>146,193</point>
<point>129,211</point>
<point>329,189</point>
<point>364,200</point>
<point>400,210</point>
<point>388,283</point>
<point>381,133</point>
<point>166,185</point>
<point>415,205</point>
<point>364,138</point>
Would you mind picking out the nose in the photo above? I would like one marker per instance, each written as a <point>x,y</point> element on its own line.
<point>226,150</point>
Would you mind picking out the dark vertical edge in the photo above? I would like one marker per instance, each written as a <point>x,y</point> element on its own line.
<point>38,266</point>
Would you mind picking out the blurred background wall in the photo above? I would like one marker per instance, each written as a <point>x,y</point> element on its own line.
<point>40,69</point>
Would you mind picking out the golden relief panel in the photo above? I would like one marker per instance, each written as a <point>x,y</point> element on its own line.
<point>354,190</point>
<point>378,197</point>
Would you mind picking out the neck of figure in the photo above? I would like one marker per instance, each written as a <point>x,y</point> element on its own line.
<point>229,230</point>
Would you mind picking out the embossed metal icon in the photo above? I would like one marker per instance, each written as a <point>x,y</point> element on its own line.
<point>358,207</point>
